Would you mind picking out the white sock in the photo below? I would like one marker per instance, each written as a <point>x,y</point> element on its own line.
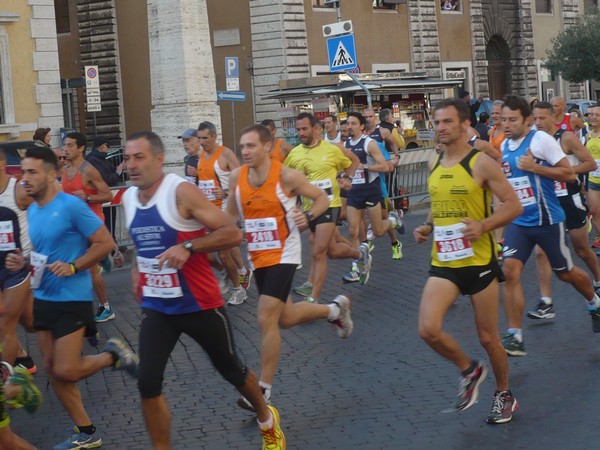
<point>267,386</point>
<point>242,271</point>
<point>596,284</point>
<point>517,333</point>
<point>239,288</point>
<point>268,424</point>
<point>594,303</point>
<point>547,300</point>
<point>106,305</point>
<point>334,311</point>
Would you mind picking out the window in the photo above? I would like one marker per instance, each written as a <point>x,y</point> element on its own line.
<point>61,13</point>
<point>383,4</point>
<point>324,4</point>
<point>450,5</point>
<point>543,6</point>
<point>7,106</point>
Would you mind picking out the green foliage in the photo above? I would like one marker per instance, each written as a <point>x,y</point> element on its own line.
<point>575,54</point>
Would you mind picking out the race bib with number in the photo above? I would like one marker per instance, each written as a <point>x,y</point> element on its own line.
<point>359,177</point>
<point>163,283</point>
<point>7,236</point>
<point>208,188</point>
<point>560,188</point>
<point>596,173</point>
<point>326,186</point>
<point>262,234</point>
<point>523,189</point>
<point>38,265</point>
<point>451,244</point>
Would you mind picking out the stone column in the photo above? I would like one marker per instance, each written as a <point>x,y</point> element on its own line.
<point>569,11</point>
<point>526,68</point>
<point>478,44</point>
<point>182,72</point>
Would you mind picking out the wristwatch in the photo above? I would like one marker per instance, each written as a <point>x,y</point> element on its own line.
<point>188,246</point>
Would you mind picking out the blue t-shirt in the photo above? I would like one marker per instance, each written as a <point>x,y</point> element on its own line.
<point>60,230</point>
<point>386,155</point>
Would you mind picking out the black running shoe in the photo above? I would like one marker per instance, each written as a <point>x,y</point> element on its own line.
<point>503,407</point>
<point>595,314</point>
<point>542,311</point>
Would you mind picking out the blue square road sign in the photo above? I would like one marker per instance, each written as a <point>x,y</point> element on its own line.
<point>342,53</point>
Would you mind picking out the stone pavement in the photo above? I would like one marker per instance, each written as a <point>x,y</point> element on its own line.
<point>383,388</point>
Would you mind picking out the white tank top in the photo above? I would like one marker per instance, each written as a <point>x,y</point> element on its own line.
<point>8,199</point>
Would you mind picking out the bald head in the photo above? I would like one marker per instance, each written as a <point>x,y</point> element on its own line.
<point>558,105</point>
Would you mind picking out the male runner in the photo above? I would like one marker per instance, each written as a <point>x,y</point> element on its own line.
<point>532,161</point>
<point>215,164</point>
<point>280,147</point>
<point>168,220</point>
<point>593,191</point>
<point>321,163</point>
<point>265,199</point>
<point>572,202</point>
<point>81,179</point>
<point>330,125</point>
<point>67,239</point>
<point>463,257</point>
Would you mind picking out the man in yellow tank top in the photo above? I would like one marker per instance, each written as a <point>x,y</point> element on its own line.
<point>593,192</point>
<point>464,260</point>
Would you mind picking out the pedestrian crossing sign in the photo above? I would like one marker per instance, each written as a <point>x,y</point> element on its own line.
<point>341,52</point>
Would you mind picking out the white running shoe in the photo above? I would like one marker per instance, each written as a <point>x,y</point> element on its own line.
<point>237,296</point>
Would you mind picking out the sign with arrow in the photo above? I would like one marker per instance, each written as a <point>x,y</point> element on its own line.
<point>233,96</point>
<point>341,51</point>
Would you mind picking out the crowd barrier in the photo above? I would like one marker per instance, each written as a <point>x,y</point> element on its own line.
<point>408,182</point>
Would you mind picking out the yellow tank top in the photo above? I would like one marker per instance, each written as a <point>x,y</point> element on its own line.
<point>455,196</point>
<point>593,145</point>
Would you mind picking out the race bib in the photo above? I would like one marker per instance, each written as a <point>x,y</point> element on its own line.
<point>359,177</point>
<point>596,173</point>
<point>208,188</point>
<point>560,188</point>
<point>326,186</point>
<point>451,244</point>
<point>7,236</point>
<point>38,265</point>
<point>163,283</point>
<point>523,189</point>
<point>262,234</point>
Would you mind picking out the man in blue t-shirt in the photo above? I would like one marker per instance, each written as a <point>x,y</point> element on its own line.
<point>67,239</point>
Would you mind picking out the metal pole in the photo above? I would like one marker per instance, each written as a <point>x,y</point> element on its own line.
<point>95,131</point>
<point>233,129</point>
<point>362,86</point>
<point>337,9</point>
<point>69,118</point>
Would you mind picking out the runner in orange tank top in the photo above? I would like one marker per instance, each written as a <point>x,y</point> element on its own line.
<point>281,148</point>
<point>83,180</point>
<point>215,163</point>
<point>263,195</point>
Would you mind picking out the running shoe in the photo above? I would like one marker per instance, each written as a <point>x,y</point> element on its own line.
<point>243,402</point>
<point>304,289</point>
<point>468,389</point>
<point>397,221</point>
<point>6,370</point>
<point>364,264</point>
<point>370,234</point>
<point>512,346</point>
<point>124,357</point>
<point>118,259</point>
<point>310,299</point>
<point>352,276</point>
<point>273,438</point>
<point>245,279</point>
<point>29,396</point>
<point>595,314</point>
<point>503,407</point>
<point>26,362</point>
<point>238,295</point>
<point>344,323</point>
<point>596,243</point>
<point>370,245</point>
<point>542,311</point>
<point>80,440</point>
<point>397,250</point>
<point>104,314</point>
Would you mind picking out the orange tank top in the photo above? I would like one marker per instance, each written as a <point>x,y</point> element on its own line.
<point>208,178</point>
<point>76,184</point>
<point>276,152</point>
<point>496,141</point>
<point>272,237</point>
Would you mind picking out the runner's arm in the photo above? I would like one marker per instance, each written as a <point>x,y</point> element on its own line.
<point>572,143</point>
<point>95,179</point>
<point>389,139</point>
<point>380,163</point>
<point>232,204</point>
<point>561,171</point>
<point>297,184</point>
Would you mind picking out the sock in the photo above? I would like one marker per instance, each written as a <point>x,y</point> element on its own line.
<point>517,333</point>
<point>106,305</point>
<point>334,311</point>
<point>594,303</point>
<point>268,424</point>
<point>596,284</point>
<point>89,430</point>
<point>237,288</point>
<point>470,369</point>
<point>546,300</point>
<point>354,265</point>
<point>242,271</point>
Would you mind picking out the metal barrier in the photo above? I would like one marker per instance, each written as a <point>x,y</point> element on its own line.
<point>114,218</point>
<point>409,178</point>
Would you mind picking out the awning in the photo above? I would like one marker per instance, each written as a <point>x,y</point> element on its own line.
<point>377,85</point>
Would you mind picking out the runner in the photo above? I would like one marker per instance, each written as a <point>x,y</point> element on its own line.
<point>280,148</point>
<point>463,255</point>
<point>215,164</point>
<point>593,191</point>
<point>329,168</point>
<point>532,161</point>
<point>167,220</point>
<point>572,202</point>
<point>67,239</point>
<point>265,199</point>
<point>82,179</point>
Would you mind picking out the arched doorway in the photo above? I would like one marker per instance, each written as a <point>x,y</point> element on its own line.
<point>498,56</point>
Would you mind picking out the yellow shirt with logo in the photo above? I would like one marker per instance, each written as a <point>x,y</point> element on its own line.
<point>320,165</point>
<point>593,145</point>
<point>456,196</point>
